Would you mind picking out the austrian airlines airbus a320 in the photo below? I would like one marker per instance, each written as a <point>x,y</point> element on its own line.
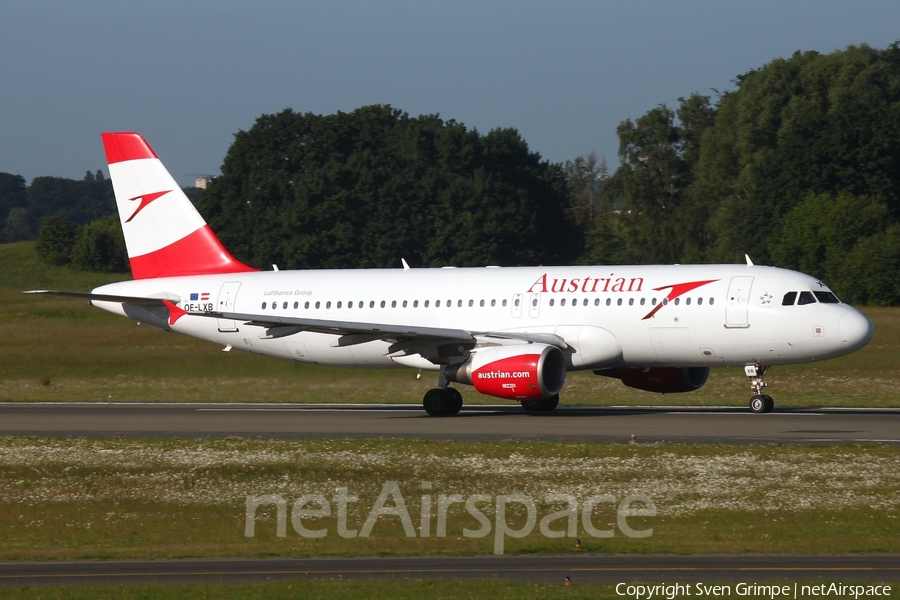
<point>512,333</point>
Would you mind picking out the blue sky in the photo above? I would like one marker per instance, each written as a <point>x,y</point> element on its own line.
<point>189,74</point>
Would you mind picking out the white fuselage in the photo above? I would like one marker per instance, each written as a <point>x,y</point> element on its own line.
<point>713,315</point>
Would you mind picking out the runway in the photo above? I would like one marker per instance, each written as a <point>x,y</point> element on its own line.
<point>581,569</point>
<point>606,424</point>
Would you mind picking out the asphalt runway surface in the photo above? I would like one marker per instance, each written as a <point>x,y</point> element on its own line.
<point>581,569</point>
<point>607,424</point>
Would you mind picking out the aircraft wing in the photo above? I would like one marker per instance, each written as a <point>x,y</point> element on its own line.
<point>404,338</point>
<point>353,333</point>
<point>135,300</point>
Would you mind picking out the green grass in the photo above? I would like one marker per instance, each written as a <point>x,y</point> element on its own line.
<point>352,590</point>
<point>78,498</point>
<point>56,349</point>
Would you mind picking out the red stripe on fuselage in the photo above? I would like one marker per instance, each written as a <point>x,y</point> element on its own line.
<point>200,253</point>
<point>124,146</point>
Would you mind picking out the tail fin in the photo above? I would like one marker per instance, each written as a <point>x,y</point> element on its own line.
<point>164,233</point>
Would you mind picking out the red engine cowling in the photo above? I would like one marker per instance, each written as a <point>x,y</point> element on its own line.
<point>520,372</point>
<point>665,380</point>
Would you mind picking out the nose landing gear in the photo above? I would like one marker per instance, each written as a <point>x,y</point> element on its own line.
<point>759,403</point>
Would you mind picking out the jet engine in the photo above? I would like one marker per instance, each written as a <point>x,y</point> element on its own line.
<point>663,380</point>
<point>517,372</point>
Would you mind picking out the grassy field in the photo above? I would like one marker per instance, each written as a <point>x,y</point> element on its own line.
<point>433,590</point>
<point>56,349</point>
<point>78,498</point>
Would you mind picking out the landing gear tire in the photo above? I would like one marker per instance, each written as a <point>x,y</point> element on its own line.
<point>456,401</point>
<point>541,404</point>
<point>762,404</point>
<point>442,403</point>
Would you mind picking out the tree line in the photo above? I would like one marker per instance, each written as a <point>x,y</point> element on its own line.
<point>797,166</point>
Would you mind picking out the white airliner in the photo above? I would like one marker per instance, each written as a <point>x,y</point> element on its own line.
<point>512,333</point>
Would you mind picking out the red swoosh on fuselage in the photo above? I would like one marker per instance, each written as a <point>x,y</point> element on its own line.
<point>677,290</point>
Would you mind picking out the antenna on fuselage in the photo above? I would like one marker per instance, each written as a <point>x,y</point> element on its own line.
<point>749,262</point>
<point>405,264</point>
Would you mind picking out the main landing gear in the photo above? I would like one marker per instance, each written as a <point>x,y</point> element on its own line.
<point>442,402</point>
<point>541,404</point>
<point>759,403</point>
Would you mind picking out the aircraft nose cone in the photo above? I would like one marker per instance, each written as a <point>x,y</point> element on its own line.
<point>856,330</point>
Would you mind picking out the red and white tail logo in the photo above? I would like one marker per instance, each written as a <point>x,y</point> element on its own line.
<point>164,233</point>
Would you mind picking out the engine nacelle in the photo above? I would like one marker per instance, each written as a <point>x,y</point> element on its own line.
<point>663,380</point>
<point>518,372</point>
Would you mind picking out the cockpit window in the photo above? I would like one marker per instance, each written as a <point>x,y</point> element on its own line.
<point>827,298</point>
<point>789,299</point>
<point>806,298</point>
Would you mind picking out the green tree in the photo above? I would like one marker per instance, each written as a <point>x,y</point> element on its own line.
<point>365,188</point>
<point>811,123</point>
<point>13,194</point>
<point>55,240</point>
<point>100,246</point>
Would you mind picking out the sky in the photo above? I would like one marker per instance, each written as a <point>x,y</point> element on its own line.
<point>189,74</point>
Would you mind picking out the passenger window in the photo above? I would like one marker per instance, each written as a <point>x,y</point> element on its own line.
<point>393,304</point>
<point>585,303</point>
<point>712,301</point>
<point>415,304</point>
<point>699,301</point>
<point>533,302</point>
<point>687,301</point>
<point>789,299</point>
<point>317,304</point>
<point>459,303</point>
<point>296,305</point>
<point>371,304</point>
<point>608,301</point>
<point>382,304</point>
<point>631,302</point>
<point>404,304</point>
<point>481,304</point>
<point>427,301</point>
<point>339,304</point>
<point>643,301</point>
<point>596,301</point>
<point>806,298</point>
<point>284,305</point>
<point>350,304</point>
<point>677,301</point>
<point>562,302</point>
<point>504,302</point>
<point>827,298</point>
<point>665,301</point>
<point>471,303</point>
<point>306,304</point>
<point>551,301</point>
<point>517,302</point>
<point>493,303</point>
<point>653,302</point>
<point>328,304</point>
<point>619,302</point>
<point>264,305</point>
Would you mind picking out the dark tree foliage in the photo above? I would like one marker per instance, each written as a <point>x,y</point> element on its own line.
<point>812,123</point>
<point>13,194</point>
<point>365,188</point>
<point>654,218</point>
<point>55,240</point>
<point>79,201</point>
<point>100,246</point>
